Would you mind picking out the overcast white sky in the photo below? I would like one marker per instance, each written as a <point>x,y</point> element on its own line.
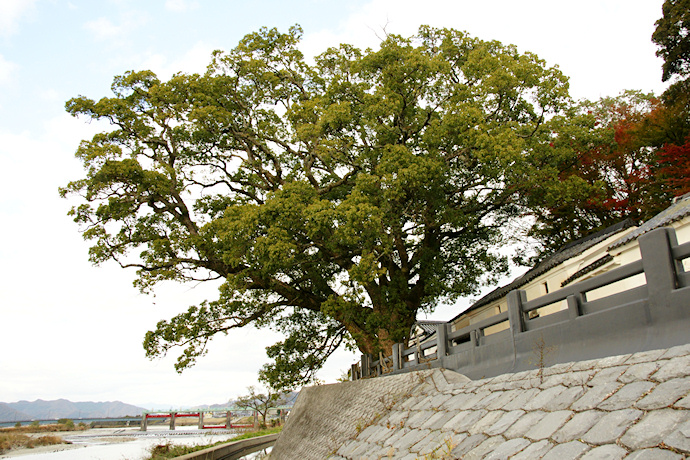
<point>71,330</point>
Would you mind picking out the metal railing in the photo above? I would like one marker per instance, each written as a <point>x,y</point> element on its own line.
<point>653,315</point>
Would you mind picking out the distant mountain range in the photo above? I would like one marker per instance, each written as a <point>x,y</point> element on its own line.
<point>62,408</point>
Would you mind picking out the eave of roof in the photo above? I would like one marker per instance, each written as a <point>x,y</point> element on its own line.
<point>570,250</point>
<point>679,209</point>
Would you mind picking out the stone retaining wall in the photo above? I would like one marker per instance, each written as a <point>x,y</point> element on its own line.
<point>634,406</point>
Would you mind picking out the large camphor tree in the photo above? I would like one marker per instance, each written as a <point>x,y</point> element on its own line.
<point>335,200</point>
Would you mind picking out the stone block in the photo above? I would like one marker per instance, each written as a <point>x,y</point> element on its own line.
<point>488,445</point>
<point>485,422</point>
<point>674,368</point>
<point>434,437</point>
<point>611,426</point>
<point>438,400</point>
<point>384,433</point>
<point>486,400</point>
<point>673,352</point>
<point>653,428</point>
<point>418,419</point>
<point>525,375</point>
<point>522,398</point>
<point>607,375</point>
<point>423,403</point>
<point>445,380</point>
<point>561,368</point>
<point>410,439</point>
<point>442,445</point>
<point>611,361</point>
<point>410,456</point>
<point>595,395</point>
<point>577,426</point>
<point>665,394</point>
<point>548,425</point>
<point>505,422</point>
<point>369,431</point>
<point>365,450</point>
<point>439,419</point>
<point>463,401</point>
<point>349,447</point>
<point>544,397</point>
<point>607,452</point>
<point>392,439</point>
<point>683,403</point>
<point>524,424</point>
<point>380,453</point>
<point>637,372</point>
<point>654,454</point>
<point>464,420</point>
<point>626,396</point>
<point>505,398</point>
<point>534,450</point>
<point>584,365</point>
<point>507,449</point>
<point>410,402</point>
<point>395,418</point>
<point>565,399</point>
<point>467,445</point>
<point>579,378</point>
<point>680,439</point>
<point>572,449</point>
<point>646,356</point>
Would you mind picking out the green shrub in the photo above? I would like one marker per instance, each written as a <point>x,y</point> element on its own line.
<point>67,423</point>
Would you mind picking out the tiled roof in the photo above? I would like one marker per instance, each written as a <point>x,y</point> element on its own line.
<point>429,327</point>
<point>679,209</point>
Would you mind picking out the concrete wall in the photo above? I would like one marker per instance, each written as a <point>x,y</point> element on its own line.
<point>635,406</point>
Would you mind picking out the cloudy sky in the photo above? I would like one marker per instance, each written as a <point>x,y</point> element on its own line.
<point>72,330</point>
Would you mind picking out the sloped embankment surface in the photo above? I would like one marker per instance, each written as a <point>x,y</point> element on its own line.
<point>631,406</point>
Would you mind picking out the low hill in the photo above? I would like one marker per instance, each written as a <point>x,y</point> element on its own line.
<point>8,414</point>
<point>62,408</point>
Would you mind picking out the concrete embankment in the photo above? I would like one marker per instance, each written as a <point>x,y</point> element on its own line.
<point>634,406</point>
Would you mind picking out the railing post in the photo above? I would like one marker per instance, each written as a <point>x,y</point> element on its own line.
<point>354,372</point>
<point>441,341</point>
<point>516,316</point>
<point>658,263</point>
<point>172,420</point>
<point>144,421</point>
<point>201,420</point>
<point>573,306</point>
<point>366,365</point>
<point>396,356</point>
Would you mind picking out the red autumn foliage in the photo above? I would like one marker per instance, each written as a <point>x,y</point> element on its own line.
<point>675,166</point>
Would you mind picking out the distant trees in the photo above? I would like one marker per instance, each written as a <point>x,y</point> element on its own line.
<point>619,157</point>
<point>672,35</point>
<point>262,402</point>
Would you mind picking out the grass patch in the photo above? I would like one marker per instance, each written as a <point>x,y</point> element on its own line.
<point>166,451</point>
<point>35,428</point>
<point>10,441</point>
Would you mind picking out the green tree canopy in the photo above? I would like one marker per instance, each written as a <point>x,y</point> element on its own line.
<point>335,200</point>
<point>672,34</point>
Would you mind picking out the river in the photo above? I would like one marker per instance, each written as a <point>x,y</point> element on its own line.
<point>119,444</point>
